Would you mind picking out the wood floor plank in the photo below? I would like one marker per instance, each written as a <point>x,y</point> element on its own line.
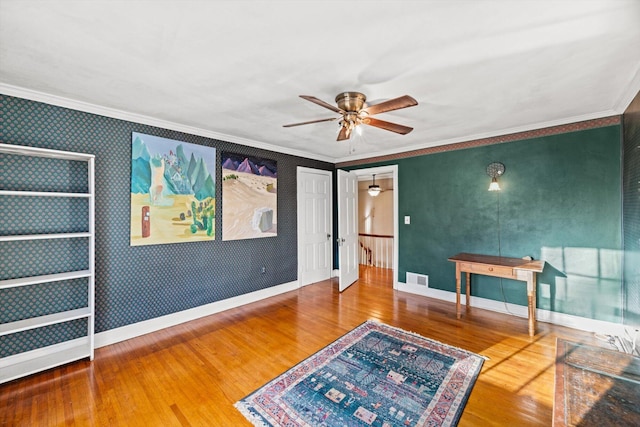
<point>192,374</point>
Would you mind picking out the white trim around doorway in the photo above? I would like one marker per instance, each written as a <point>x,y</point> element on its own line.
<point>393,170</point>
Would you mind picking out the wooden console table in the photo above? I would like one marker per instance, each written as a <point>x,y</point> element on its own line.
<point>508,268</point>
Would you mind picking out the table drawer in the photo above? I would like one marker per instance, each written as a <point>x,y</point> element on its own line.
<point>489,270</point>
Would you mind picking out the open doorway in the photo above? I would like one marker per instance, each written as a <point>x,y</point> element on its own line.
<point>378,221</point>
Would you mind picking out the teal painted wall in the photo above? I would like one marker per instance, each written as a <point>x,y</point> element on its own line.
<point>560,202</point>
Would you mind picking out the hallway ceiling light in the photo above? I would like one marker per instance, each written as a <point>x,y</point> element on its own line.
<point>374,189</point>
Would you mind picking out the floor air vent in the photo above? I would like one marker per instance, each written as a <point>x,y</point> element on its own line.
<point>417,279</point>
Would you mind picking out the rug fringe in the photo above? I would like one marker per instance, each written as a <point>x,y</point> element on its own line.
<point>255,419</point>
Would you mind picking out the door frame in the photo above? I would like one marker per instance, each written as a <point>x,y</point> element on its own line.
<point>393,169</point>
<point>301,211</point>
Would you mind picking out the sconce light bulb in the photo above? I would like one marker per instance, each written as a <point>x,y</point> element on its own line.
<point>494,186</point>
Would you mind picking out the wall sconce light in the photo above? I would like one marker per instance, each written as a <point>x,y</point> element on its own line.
<point>494,170</point>
<point>374,189</point>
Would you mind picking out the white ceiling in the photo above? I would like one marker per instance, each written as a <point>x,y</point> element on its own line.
<point>234,69</point>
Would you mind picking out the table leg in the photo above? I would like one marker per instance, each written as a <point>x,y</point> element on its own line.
<point>458,290</point>
<point>468,288</point>
<point>531,295</point>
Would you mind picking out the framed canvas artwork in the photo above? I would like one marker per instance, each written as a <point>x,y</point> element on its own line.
<point>249,197</point>
<point>173,191</point>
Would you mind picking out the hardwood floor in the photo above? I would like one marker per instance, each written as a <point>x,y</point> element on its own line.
<point>192,374</point>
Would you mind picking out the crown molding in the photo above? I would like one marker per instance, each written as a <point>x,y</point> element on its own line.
<point>33,95</point>
<point>552,127</point>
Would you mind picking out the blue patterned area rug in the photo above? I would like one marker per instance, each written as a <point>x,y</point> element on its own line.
<point>375,375</point>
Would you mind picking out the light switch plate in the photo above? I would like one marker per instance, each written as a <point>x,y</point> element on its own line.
<point>407,219</point>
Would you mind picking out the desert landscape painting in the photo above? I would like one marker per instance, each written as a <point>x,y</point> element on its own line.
<point>172,191</point>
<point>249,197</point>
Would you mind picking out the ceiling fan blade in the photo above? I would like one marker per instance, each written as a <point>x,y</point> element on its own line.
<point>322,103</point>
<point>310,122</point>
<point>392,104</point>
<point>345,133</point>
<point>393,127</point>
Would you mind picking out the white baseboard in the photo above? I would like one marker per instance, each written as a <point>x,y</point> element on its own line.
<point>561,319</point>
<point>123,333</point>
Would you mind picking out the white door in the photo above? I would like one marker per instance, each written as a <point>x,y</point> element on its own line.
<point>315,262</point>
<point>348,228</point>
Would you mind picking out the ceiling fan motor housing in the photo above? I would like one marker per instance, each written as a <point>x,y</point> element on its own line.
<point>351,101</point>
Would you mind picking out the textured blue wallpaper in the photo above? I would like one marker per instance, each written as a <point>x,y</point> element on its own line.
<point>132,283</point>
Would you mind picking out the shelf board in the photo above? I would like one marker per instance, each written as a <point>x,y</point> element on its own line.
<point>44,236</point>
<point>43,152</point>
<point>36,361</point>
<point>46,278</point>
<point>42,194</point>
<point>38,322</point>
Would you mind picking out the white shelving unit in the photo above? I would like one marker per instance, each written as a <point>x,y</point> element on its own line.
<point>32,361</point>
